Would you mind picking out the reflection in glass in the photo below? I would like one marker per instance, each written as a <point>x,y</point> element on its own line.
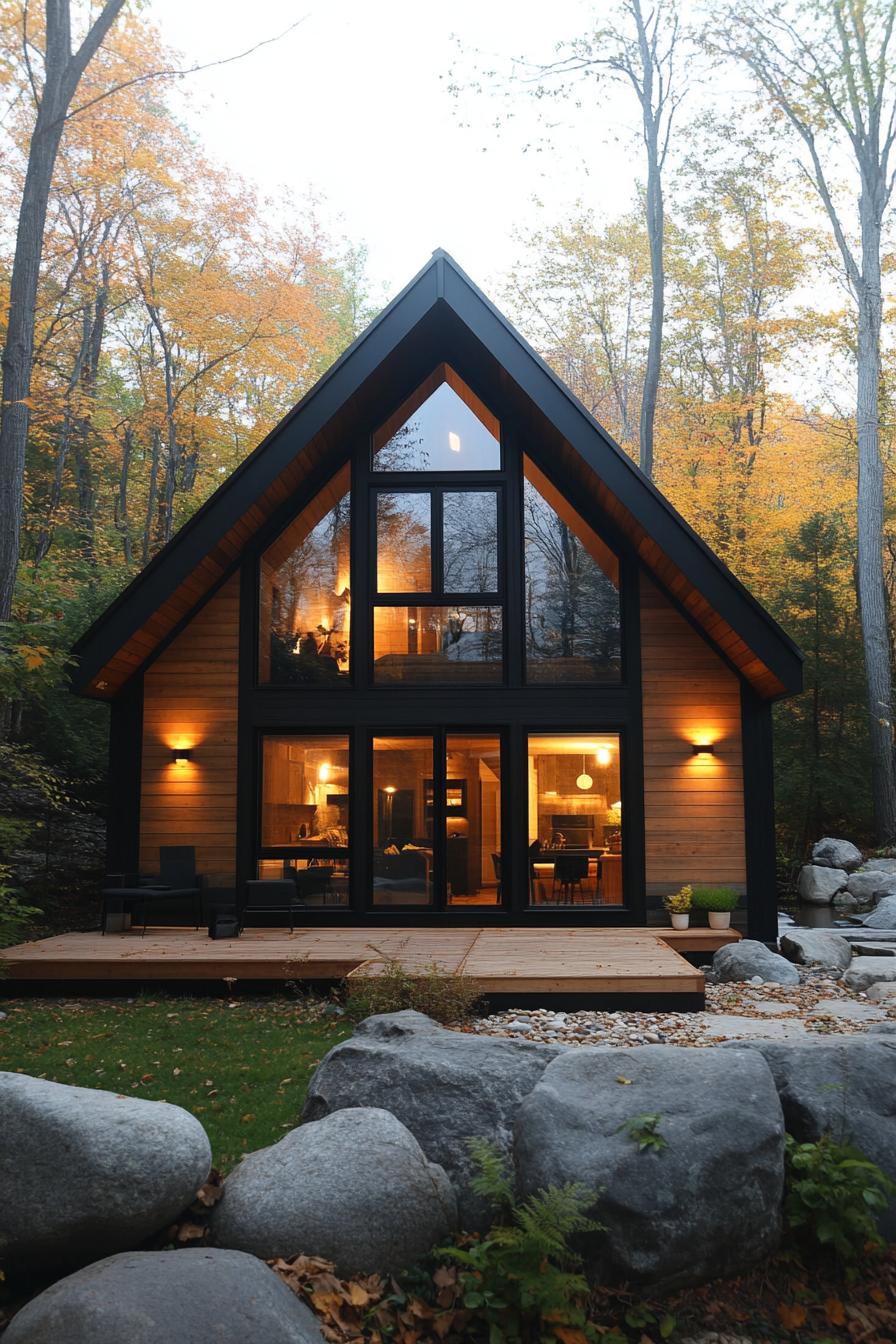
<point>572,622</point>
<point>402,837</point>
<point>304,594</point>
<point>437,644</point>
<point>403,542</point>
<point>442,427</point>
<point>470,541</point>
<point>304,815</point>
<point>473,819</point>
<point>575,820</point>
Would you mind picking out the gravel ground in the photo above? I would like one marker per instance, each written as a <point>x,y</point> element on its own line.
<point>818,1005</point>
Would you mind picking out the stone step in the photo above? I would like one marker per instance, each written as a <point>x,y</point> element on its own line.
<point>878,949</point>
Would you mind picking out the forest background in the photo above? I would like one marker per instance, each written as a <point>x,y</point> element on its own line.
<point>180,314</point>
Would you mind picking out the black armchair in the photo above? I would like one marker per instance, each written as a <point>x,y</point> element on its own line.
<point>177,879</point>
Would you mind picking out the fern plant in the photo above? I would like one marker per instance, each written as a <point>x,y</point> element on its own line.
<point>523,1279</point>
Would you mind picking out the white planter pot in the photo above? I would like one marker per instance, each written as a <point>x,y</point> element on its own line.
<point>680,921</point>
<point>720,919</point>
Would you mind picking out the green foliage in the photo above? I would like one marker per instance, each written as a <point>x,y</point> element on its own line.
<point>718,899</point>
<point>644,1131</point>
<point>834,1195</point>
<point>679,902</point>
<point>445,996</point>
<point>14,916</point>
<point>523,1278</point>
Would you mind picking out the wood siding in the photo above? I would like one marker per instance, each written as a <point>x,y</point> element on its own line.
<point>190,700</point>
<point>693,805</point>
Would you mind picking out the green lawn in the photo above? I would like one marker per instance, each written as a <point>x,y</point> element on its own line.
<point>241,1066</point>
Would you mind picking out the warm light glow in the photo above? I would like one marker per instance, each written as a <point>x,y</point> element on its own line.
<point>390,788</point>
<point>603,756</point>
<point>323,773</point>
<point>453,441</point>
<point>617,806</point>
<point>584,782</point>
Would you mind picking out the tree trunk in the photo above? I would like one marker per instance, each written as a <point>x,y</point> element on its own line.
<point>655,231</point>
<point>870,510</point>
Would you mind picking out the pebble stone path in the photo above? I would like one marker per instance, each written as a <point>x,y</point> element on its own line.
<point>819,1005</point>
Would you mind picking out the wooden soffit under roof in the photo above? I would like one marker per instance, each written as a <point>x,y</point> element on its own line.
<point>441,317</point>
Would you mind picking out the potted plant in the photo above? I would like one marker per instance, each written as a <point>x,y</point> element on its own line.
<point>678,906</point>
<point>718,902</point>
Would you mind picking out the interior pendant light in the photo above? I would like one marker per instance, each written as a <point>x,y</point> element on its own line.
<point>584,780</point>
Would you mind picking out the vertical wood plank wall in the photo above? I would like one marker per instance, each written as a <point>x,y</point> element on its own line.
<point>190,700</point>
<point>693,805</point>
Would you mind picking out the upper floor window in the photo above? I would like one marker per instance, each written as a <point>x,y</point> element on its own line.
<point>305,594</point>
<point>442,426</point>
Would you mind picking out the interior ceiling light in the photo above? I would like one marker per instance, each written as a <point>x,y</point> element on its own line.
<point>453,441</point>
<point>584,780</point>
<point>603,756</point>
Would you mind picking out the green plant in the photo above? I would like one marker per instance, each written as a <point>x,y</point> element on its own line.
<point>833,1196</point>
<point>522,1278</point>
<point>679,902</point>
<point>387,987</point>
<point>717,899</point>
<point>644,1131</point>
<point>14,916</point>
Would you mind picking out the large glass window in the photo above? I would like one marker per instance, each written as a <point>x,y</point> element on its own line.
<point>403,542</point>
<point>470,541</point>
<point>575,819</point>
<point>443,426</point>
<point>473,819</point>
<point>305,815</point>
<point>402,821</point>
<point>572,618</point>
<point>305,594</point>
<point>432,645</point>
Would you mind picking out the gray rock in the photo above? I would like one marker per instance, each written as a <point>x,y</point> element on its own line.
<point>882,865</point>
<point>816,947</point>
<point>887,1028</point>
<point>819,886</point>
<point>707,1204</point>
<point>883,992</point>
<point>867,971</point>
<point>749,959</point>
<point>843,901</point>
<point>831,853</point>
<point>85,1172</point>
<point>884,916</point>
<point>868,886</point>
<point>840,1085</point>
<point>855,936</point>
<point>446,1086</point>
<point>355,1188</point>
<point>847,1010</point>
<point>157,1297</point>
<point>875,949</point>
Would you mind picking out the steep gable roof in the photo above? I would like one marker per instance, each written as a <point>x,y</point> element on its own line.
<point>441,303</point>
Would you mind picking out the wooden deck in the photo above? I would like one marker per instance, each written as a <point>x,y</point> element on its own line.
<point>506,962</point>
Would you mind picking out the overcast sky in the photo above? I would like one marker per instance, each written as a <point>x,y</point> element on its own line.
<point>354,104</point>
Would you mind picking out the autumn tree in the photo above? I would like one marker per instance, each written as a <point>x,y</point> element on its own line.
<point>827,70</point>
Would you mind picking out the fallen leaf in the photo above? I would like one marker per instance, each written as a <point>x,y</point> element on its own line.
<point>620,1079</point>
<point>835,1311</point>
<point>791,1315</point>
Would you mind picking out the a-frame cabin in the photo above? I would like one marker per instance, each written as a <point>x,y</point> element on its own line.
<point>438,651</point>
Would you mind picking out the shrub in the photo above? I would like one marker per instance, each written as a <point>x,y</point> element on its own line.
<point>522,1279</point>
<point>446,996</point>
<point>833,1196</point>
<point>679,902</point>
<point>717,899</point>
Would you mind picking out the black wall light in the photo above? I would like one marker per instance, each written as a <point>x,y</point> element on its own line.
<point>703,749</point>
<point>180,755</point>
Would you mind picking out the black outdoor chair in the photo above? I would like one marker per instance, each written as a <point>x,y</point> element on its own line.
<point>496,866</point>
<point>277,896</point>
<point>177,880</point>
<point>570,871</point>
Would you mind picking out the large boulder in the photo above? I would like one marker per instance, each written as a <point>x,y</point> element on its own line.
<point>85,1172</point>
<point>883,992</point>
<point>819,886</point>
<point>158,1297</point>
<point>708,1202</point>
<point>882,865</point>
<point>883,916</point>
<point>446,1086</point>
<point>869,886</point>
<point>831,853</point>
<point>839,1085</point>
<point>748,959</point>
<point>355,1188</point>
<point>816,947</point>
<point>867,971</point>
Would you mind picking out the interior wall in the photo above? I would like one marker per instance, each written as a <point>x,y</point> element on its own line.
<point>190,700</point>
<point>693,804</point>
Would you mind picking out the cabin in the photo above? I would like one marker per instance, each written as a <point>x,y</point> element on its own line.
<point>438,652</point>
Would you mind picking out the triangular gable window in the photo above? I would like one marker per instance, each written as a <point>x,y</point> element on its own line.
<point>443,426</point>
<point>305,595</point>
<point>572,618</point>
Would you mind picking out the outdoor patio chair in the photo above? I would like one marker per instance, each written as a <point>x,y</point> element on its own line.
<point>277,896</point>
<point>177,880</point>
<point>570,871</point>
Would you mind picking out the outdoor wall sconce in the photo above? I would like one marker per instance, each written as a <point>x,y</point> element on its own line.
<point>703,749</point>
<point>180,755</point>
